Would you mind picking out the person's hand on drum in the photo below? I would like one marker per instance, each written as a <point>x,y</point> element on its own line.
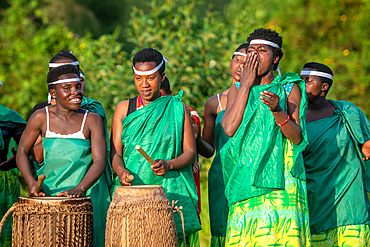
<point>32,189</point>
<point>124,174</point>
<point>75,192</point>
<point>160,167</point>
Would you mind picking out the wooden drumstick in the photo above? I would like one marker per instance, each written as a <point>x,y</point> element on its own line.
<point>144,154</point>
<point>40,180</point>
<point>130,178</point>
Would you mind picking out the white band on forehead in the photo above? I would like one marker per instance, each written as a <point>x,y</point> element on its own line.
<point>317,73</point>
<point>240,54</point>
<point>149,72</point>
<point>82,75</point>
<point>64,80</point>
<point>263,42</point>
<point>54,65</point>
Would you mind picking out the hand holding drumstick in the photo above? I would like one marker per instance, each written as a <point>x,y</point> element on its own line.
<point>159,167</point>
<point>36,188</point>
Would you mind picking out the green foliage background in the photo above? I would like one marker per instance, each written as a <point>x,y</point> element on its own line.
<point>197,38</point>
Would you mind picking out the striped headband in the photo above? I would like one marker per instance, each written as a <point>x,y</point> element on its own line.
<point>54,65</point>
<point>263,42</point>
<point>149,72</point>
<point>64,80</point>
<point>317,73</point>
<point>82,75</point>
<point>240,54</point>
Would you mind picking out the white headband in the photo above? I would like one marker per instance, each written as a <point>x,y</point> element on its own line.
<point>1,83</point>
<point>263,42</point>
<point>149,72</point>
<point>317,73</point>
<point>64,80</point>
<point>240,54</point>
<point>82,75</point>
<point>54,65</point>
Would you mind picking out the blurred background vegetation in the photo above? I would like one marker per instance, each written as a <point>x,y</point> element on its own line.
<point>197,37</point>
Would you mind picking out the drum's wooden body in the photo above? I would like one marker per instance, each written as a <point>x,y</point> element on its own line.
<point>140,216</point>
<point>52,221</point>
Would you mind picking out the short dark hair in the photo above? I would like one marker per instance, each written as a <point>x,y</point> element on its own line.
<point>149,55</point>
<point>242,46</point>
<point>165,85</point>
<point>269,35</point>
<point>63,54</point>
<point>61,70</point>
<point>322,68</point>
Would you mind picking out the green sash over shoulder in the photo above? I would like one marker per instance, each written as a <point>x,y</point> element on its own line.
<point>337,177</point>
<point>96,107</point>
<point>8,115</point>
<point>252,160</point>
<point>66,162</point>
<point>158,129</point>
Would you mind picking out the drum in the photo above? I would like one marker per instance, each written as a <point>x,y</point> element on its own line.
<point>52,221</point>
<point>140,216</point>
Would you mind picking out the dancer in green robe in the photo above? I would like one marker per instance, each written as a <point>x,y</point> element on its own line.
<point>337,166</point>
<point>162,127</point>
<point>12,125</point>
<point>73,162</point>
<point>262,163</point>
<point>215,137</point>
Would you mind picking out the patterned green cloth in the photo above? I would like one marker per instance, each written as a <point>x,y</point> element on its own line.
<point>218,208</point>
<point>278,218</point>
<point>336,173</point>
<point>218,241</point>
<point>9,193</point>
<point>158,129</point>
<point>191,241</point>
<point>351,235</point>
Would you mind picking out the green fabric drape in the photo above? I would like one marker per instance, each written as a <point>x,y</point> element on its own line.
<point>252,160</point>
<point>96,107</point>
<point>218,208</point>
<point>8,115</point>
<point>158,129</point>
<point>9,184</point>
<point>335,171</point>
<point>66,162</point>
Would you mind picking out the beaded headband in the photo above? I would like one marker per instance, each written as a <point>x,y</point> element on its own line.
<point>317,73</point>
<point>149,72</point>
<point>54,65</point>
<point>64,80</point>
<point>263,42</point>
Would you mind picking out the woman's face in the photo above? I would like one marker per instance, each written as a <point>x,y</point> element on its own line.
<point>314,86</point>
<point>237,65</point>
<point>68,94</point>
<point>265,58</point>
<point>148,85</point>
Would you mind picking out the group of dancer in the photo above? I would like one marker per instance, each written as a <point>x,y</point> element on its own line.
<point>291,166</point>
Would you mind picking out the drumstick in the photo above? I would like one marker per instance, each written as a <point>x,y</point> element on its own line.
<point>144,154</point>
<point>130,178</point>
<point>40,180</point>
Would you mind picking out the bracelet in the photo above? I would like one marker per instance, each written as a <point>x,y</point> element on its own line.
<point>285,121</point>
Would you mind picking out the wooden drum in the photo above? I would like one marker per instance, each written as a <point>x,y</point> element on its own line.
<point>140,216</point>
<point>52,221</point>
